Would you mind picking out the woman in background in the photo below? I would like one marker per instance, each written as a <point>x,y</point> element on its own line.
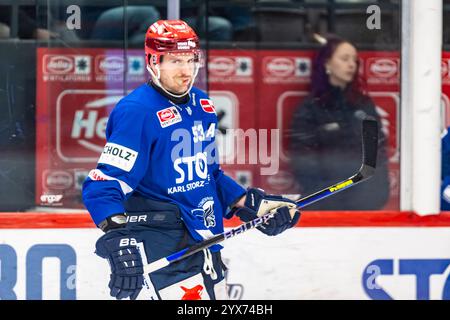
<point>325,142</point>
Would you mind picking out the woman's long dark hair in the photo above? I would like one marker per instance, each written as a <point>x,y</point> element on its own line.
<point>320,84</point>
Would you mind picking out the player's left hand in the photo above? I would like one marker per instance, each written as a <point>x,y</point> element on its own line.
<point>257,203</point>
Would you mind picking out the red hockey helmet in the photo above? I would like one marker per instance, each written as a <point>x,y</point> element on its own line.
<point>170,36</point>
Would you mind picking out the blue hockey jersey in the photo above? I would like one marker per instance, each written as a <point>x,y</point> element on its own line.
<point>165,152</point>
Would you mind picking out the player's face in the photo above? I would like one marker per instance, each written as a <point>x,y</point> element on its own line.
<point>177,72</point>
<point>342,65</point>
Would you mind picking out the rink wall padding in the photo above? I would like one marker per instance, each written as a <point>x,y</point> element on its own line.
<point>330,255</point>
<point>40,220</point>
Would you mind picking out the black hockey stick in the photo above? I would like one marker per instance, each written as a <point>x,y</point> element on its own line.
<point>369,159</point>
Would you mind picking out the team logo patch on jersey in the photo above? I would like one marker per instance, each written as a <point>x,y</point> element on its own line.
<point>207,106</point>
<point>118,156</point>
<point>168,116</point>
<point>206,212</point>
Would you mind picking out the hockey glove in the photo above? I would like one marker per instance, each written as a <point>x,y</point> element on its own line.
<point>120,248</point>
<point>257,203</point>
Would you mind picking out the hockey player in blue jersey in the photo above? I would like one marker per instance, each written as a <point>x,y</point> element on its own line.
<point>158,186</point>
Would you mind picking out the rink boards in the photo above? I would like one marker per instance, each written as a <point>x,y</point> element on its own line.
<point>333,255</point>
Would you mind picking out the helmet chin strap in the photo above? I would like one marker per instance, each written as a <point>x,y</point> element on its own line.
<point>157,76</point>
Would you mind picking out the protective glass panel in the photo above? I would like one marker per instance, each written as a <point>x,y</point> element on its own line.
<point>297,78</point>
<point>282,126</point>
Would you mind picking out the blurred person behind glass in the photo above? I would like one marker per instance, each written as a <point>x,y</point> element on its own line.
<point>28,27</point>
<point>325,141</point>
<point>110,24</point>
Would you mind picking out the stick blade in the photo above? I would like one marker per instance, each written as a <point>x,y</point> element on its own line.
<point>370,141</point>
